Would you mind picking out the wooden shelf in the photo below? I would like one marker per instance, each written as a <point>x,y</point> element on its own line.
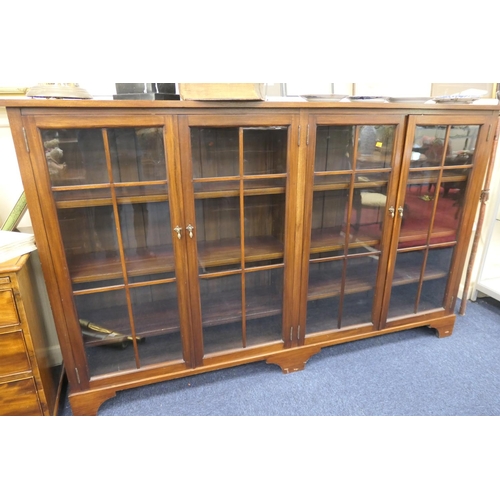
<point>151,319</point>
<point>331,239</point>
<point>228,252</point>
<point>337,186</point>
<point>97,267</point>
<point>226,307</point>
<point>84,199</point>
<point>322,285</point>
<point>251,187</point>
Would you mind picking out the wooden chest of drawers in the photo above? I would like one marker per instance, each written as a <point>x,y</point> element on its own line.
<point>28,384</point>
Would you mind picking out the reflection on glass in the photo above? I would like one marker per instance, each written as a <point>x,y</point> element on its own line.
<point>147,238</point>
<point>368,210</point>
<point>328,219</point>
<point>218,233</point>
<point>83,198</point>
<point>264,150</point>
<point>325,282</point>
<point>107,310</point>
<point>429,146</point>
<point>334,148</point>
<point>375,145</point>
<point>92,251</point>
<point>137,154</point>
<point>75,156</point>
<point>132,194</point>
<point>325,309</point>
<point>264,306</point>
<point>462,144</point>
<point>449,206</point>
<point>418,207</point>
<point>406,282</point>
<point>215,152</point>
<point>157,323</point>
<point>217,189</point>
<point>264,228</point>
<point>435,278</point>
<point>361,274</point>
<point>221,312</point>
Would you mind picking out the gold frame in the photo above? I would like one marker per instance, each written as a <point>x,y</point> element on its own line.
<point>13,91</point>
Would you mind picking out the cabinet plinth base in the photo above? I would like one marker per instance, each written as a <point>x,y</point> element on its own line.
<point>293,361</point>
<point>88,403</point>
<point>444,326</point>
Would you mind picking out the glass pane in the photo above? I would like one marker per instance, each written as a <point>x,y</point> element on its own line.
<point>261,186</point>
<point>361,275</point>
<point>449,205</point>
<point>215,152</point>
<point>221,189</point>
<point>418,207</point>
<point>264,306</point>
<point>428,146</point>
<point>264,229</point>
<point>264,150</point>
<point>375,144</point>
<point>137,154</point>
<point>369,209</point>
<point>405,283</point>
<point>218,233</point>
<point>106,331</point>
<point>82,198</point>
<point>462,144</point>
<point>325,283</point>
<point>328,220</point>
<point>90,243</point>
<point>334,148</point>
<point>435,278</point>
<point>134,194</point>
<point>147,239</point>
<point>221,313</point>
<point>75,156</point>
<point>156,316</point>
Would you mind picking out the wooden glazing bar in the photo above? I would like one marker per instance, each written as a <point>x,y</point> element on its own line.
<point>421,281</point>
<point>90,291</point>
<point>232,192</point>
<point>120,247</point>
<point>264,268</point>
<point>220,274</point>
<point>84,187</point>
<point>80,187</point>
<point>248,177</point>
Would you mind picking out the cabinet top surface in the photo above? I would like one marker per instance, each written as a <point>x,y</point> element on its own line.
<point>270,105</point>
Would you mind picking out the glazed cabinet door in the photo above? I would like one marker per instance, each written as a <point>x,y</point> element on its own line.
<point>353,167</point>
<point>110,209</point>
<point>238,180</point>
<point>444,163</point>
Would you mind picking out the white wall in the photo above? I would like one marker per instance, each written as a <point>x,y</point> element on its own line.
<point>11,186</point>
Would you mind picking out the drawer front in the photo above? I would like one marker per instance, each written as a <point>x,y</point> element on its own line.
<point>13,355</point>
<point>8,309</point>
<point>19,398</point>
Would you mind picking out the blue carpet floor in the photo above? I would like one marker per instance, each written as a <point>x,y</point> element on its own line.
<point>409,373</point>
